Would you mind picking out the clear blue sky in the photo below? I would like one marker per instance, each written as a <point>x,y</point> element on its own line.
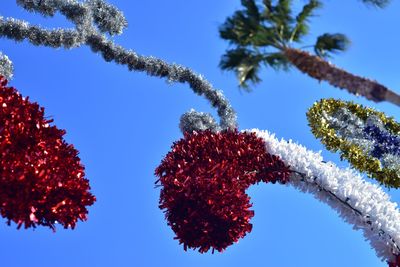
<point>123,124</point>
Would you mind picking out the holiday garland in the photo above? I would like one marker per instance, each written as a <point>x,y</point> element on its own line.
<point>364,205</point>
<point>365,137</point>
<point>204,179</point>
<point>93,19</point>
<point>6,67</point>
<point>42,181</point>
<point>205,176</point>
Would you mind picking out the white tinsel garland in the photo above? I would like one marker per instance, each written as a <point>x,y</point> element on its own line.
<point>360,203</point>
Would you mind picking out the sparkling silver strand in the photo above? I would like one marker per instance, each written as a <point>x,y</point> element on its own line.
<point>391,161</point>
<point>349,126</point>
<point>6,67</point>
<point>95,18</point>
<point>197,121</point>
<point>346,124</point>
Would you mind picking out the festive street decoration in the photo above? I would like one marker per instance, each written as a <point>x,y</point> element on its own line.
<point>204,177</point>
<point>93,20</point>
<point>395,263</point>
<point>364,205</point>
<point>42,181</point>
<point>6,67</point>
<point>368,139</point>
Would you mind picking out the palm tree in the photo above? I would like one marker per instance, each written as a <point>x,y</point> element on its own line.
<point>378,3</point>
<point>263,33</point>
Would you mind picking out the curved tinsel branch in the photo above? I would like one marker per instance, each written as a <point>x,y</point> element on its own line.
<point>364,205</point>
<point>92,19</point>
<point>205,176</point>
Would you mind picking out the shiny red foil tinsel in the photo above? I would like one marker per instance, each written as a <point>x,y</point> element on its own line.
<point>395,264</point>
<point>41,178</point>
<point>204,179</point>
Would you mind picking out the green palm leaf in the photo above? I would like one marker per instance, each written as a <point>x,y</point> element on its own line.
<point>302,27</point>
<point>239,29</point>
<point>378,3</point>
<point>277,61</point>
<point>283,18</point>
<point>251,9</point>
<point>331,43</point>
<point>245,63</point>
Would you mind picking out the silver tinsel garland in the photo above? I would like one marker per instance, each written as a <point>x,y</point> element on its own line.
<point>350,127</point>
<point>93,19</point>
<point>6,66</point>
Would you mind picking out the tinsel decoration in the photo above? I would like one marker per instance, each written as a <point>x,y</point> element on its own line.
<point>42,181</point>
<point>205,176</point>
<point>395,263</point>
<point>204,179</point>
<point>6,67</point>
<point>94,21</point>
<point>368,139</point>
<point>360,203</point>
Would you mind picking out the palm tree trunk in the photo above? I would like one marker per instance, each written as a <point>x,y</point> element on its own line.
<point>322,70</point>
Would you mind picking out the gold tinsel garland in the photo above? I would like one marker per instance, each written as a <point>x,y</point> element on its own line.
<point>322,129</point>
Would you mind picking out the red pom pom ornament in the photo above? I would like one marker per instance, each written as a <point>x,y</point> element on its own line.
<point>41,178</point>
<point>204,179</point>
<point>395,264</point>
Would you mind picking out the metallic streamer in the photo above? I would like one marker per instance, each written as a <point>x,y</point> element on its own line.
<point>197,121</point>
<point>350,127</point>
<point>95,18</point>
<point>6,66</point>
<point>363,152</point>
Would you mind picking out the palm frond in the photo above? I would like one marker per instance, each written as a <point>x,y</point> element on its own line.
<point>283,18</point>
<point>251,9</point>
<point>267,3</point>
<point>265,36</point>
<point>331,43</point>
<point>377,3</point>
<point>267,9</point>
<point>277,61</point>
<point>283,8</point>
<point>245,27</point>
<point>238,29</point>
<point>302,27</point>
<point>245,63</point>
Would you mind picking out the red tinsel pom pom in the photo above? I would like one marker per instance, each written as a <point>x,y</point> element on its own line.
<point>203,181</point>
<point>41,178</point>
<point>395,264</point>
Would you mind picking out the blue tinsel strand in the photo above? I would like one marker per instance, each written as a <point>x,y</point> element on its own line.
<point>385,143</point>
